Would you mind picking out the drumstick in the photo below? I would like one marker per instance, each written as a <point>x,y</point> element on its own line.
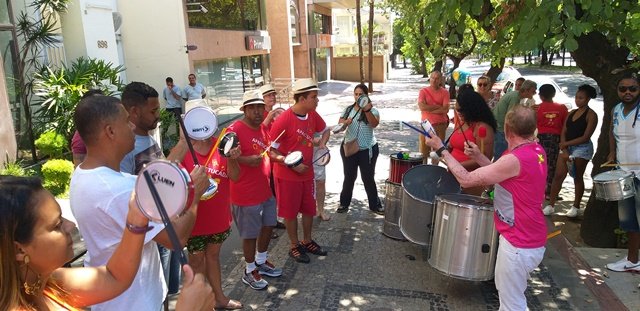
<point>320,157</point>
<point>619,164</point>
<point>482,133</point>
<point>215,146</point>
<point>171,231</point>
<point>553,234</point>
<point>271,144</point>
<point>416,129</point>
<point>463,135</point>
<point>186,137</point>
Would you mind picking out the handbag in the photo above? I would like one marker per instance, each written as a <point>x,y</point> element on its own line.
<point>351,147</point>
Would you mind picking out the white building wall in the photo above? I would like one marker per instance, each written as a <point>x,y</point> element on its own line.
<point>154,41</point>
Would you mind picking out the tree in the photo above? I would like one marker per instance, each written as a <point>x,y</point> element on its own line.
<point>35,34</point>
<point>371,14</point>
<point>359,30</point>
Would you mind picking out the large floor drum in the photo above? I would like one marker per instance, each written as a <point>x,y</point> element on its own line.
<point>392,209</point>
<point>465,240</point>
<point>421,184</point>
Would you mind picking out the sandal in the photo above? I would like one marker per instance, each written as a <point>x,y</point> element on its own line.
<point>231,305</point>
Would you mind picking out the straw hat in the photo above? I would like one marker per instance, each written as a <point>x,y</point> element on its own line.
<point>253,97</point>
<point>267,89</point>
<point>305,85</point>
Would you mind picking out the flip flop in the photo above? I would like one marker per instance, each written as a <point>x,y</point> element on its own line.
<point>231,305</point>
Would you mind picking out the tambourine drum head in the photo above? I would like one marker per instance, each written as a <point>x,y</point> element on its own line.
<point>229,141</point>
<point>293,159</point>
<point>321,157</point>
<point>173,185</point>
<point>201,123</point>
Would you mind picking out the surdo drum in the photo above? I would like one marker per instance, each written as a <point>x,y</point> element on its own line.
<point>465,240</point>
<point>421,184</point>
<point>392,209</point>
<point>174,188</point>
<point>293,159</point>
<point>615,185</point>
<point>201,123</point>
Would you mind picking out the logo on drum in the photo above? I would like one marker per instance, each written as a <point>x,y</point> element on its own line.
<point>157,178</point>
<point>200,129</point>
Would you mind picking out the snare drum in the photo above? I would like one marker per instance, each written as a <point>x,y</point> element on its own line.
<point>228,142</point>
<point>615,185</point>
<point>174,188</point>
<point>321,157</point>
<point>201,123</point>
<point>398,167</point>
<point>293,159</point>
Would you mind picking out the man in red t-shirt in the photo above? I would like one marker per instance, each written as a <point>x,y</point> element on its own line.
<point>253,204</point>
<point>550,121</point>
<point>293,171</point>
<point>433,102</point>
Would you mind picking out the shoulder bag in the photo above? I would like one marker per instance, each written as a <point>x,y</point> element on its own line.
<point>351,147</point>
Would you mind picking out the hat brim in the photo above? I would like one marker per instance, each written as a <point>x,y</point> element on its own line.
<point>268,92</point>
<point>249,103</point>
<point>306,90</point>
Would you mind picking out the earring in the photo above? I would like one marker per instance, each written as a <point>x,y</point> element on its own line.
<point>30,289</point>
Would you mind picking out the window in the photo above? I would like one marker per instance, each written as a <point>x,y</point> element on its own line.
<point>320,24</point>
<point>228,15</point>
<point>293,22</point>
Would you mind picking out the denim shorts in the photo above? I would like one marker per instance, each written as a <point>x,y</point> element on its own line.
<point>582,151</point>
<point>629,211</point>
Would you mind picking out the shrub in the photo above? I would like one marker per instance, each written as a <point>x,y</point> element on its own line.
<point>51,144</point>
<point>57,175</point>
<point>14,169</point>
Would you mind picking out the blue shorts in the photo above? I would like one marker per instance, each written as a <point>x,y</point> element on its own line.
<point>629,211</point>
<point>582,151</point>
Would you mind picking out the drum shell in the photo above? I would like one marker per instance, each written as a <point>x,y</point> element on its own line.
<point>420,186</point>
<point>465,240</point>
<point>397,167</point>
<point>392,210</point>
<point>615,185</point>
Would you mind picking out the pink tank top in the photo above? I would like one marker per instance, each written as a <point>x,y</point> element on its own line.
<point>518,200</point>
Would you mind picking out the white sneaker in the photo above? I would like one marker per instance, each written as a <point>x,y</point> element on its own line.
<point>573,212</point>
<point>623,265</point>
<point>548,210</point>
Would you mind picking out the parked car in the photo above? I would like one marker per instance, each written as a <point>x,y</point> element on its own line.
<point>561,95</point>
<point>508,74</point>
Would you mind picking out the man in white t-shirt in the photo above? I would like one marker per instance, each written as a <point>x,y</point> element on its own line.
<point>99,198</point>
<point>193,90</point>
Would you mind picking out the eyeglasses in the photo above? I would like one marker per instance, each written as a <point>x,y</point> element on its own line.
<point>631,89</point>
<point>483,84</point>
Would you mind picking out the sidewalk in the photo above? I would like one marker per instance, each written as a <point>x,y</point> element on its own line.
<point>365,270</point>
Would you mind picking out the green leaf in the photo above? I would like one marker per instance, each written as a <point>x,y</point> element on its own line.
<point>570,43</point>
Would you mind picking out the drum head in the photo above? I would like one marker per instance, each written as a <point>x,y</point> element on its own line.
<point>613,175</point>
<point>466,201</point>
<point>424,182</point>
<point>173,185</point>
<point>321,157</point>
<point>228,142</point>
<point>201,123</point>
<point>294,158</point>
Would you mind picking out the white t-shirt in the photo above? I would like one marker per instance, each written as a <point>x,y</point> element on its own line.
<point>193,92</point>
<point>627,138</point>
<point>100,202</point>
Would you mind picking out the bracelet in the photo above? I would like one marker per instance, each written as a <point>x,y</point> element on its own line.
<point>439,151</point>
<point>137,229</point>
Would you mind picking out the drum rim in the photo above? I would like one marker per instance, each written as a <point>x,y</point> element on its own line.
<point>213,114</point>
<point>224,140</point>
<point>612,172</point>
<point>418,199</point>
<point>140,181</point>
<point>326,155</point>
<point>291,154</point>
<point>443,198</point>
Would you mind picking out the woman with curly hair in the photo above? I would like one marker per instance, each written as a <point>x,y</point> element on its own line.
<point>477,125</point>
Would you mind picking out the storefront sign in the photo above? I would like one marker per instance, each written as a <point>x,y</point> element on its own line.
<point>257,42</point>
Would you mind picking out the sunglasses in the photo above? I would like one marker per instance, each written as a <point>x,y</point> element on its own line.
<point>631,89</point>
<point>483,84</point>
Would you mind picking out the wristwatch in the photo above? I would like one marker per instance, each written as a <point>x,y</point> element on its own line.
<point>439,151</point>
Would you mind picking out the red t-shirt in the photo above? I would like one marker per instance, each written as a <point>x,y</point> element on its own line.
<point>214,215</point>
<point>432,97</point>
<point>252,188</point>
<point>298,136</point>
<point>77,144</point>
<point>457,143</point>
<point>551,117</point>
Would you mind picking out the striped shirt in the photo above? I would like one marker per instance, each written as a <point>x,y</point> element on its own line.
<point>366,139</point>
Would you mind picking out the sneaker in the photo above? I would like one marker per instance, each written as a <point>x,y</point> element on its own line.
<point>573,212</point>
<point>623,265</point>
<point>313,248</point>
<point>299,254</point>
<point>269,269</point>
<point>548,210</point>
<point>254,280</point>
<point>342,209</point>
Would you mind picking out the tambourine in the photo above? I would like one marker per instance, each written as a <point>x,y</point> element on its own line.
<point>174,186</point>
<point>201,123</point>
<point>293,159</point>
<point>211,190</point>
<point>363,100</point>
<point>339,128</point>
<point>321,157</point>
<point>227,142</point>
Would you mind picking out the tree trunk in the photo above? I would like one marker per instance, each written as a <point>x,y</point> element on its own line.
<point>544,60</point>
<point>371,7</point>
<point>494,70</point>
<point>421,48</point>
<point>604,62</point>
<point>360,52</point>
<point>437,66</point>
